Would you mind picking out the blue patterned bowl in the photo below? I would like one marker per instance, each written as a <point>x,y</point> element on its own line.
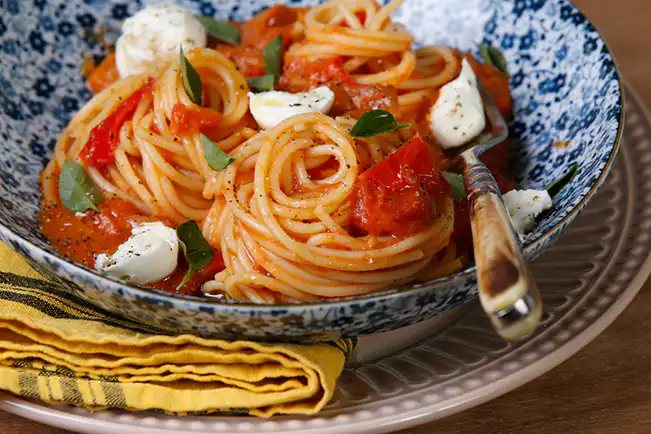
<point>565,85</point>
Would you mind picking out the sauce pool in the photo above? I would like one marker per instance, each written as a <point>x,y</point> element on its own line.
<point>82,236</point>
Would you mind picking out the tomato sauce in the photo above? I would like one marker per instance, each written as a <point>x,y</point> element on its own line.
<point>191,119</point>
<point>255,34</point>
<point>301,74</point>
<point>103,75</point>
<point>191,287</point>
<point>397,196</point>
<point>82,236</point>
<point>495,82</point>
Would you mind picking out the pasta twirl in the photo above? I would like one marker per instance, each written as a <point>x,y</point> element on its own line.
<point>283,235</point>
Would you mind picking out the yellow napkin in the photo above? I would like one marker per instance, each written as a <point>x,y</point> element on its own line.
<point>57,348</point>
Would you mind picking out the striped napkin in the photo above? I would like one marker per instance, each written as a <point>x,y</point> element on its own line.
<point>58,348</point>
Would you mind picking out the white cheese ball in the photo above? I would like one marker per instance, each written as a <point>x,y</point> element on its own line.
<point>458,116</point>
<point>149,255</point>
<point>524,206</point>
<point>153,37</point>
<point>272,107</point>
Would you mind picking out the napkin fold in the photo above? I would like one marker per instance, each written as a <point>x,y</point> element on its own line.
<point>60,349</point>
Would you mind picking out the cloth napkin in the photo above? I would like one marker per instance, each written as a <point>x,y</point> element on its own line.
<point>58,348</point>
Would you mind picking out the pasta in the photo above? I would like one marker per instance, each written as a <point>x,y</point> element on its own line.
<point>159,172</point>
<point>286,210</point>
<point>377,38</point>
<point>299,240</point>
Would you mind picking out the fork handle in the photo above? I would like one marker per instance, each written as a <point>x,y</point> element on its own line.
<point>507,293</point>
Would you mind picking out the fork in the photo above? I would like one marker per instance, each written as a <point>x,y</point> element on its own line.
<point>507,293</point>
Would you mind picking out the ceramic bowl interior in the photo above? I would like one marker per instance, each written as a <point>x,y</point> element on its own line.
<point>568,109</point>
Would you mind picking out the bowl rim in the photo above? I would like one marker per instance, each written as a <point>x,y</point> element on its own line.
<point>464,274</point>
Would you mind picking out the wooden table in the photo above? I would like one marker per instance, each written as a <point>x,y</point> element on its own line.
<point>606,387</point>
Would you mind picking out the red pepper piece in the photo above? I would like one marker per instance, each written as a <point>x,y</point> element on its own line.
<point>103,139</point>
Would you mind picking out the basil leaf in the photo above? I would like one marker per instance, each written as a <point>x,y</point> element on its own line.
<point>457,186</point>
<point>272,55</point>
<point>375,122</point>
<point>555,187</point>
<point>485,53</point>
<point>494,56</point>
<point>191,79</point>
<point>77,191</point>
<point>262,83</point>
<point>198,253</point>
<point>124,277</point>
<point>222,30</point>
<point>216,158</point>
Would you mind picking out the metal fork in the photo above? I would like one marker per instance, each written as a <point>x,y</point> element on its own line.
<point>507,293</point>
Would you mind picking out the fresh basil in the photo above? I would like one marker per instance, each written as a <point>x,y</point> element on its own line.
<point>216,158</point>
<point>555,187</point>
<point>124,277</point>
<point>191,79</point>
<point>222,30</point>
<point>457,186</point>
<point>198,253</point>
<point>272,55</point>
<point>494,56</point>
<point>375,122</point>
<point>77,191</point>
<point>262,83</point>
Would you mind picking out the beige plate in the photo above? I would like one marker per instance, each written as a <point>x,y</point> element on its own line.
<point>407,377</point>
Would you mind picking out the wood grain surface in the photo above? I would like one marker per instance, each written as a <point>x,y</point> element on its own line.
<point>606,387</point>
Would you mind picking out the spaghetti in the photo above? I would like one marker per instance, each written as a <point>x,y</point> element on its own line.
<point>278,245</point>
<point>159,172</point>
<point>296,215</point>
